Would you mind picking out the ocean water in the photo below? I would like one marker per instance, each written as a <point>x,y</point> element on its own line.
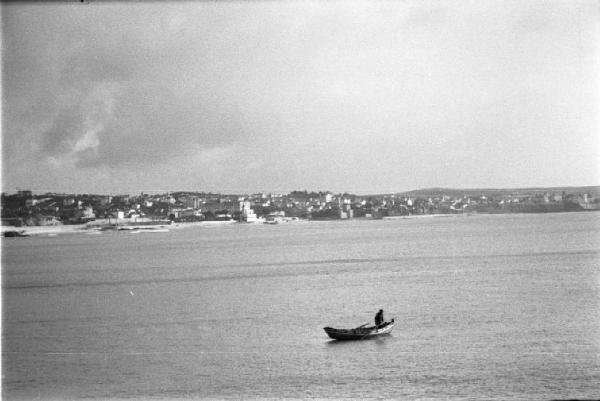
<point>500,307</point>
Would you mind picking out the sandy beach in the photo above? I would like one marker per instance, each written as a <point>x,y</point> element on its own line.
<point>96,225</point>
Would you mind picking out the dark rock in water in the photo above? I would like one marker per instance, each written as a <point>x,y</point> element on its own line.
<point>15,234</point>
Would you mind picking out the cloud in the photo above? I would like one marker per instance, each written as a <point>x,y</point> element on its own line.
<point>77,129</point>
<point>117,88</point>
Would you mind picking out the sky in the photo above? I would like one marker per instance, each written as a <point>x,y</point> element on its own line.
<point>266,96</point>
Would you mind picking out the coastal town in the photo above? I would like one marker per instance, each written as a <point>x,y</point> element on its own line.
<point>24,208</point>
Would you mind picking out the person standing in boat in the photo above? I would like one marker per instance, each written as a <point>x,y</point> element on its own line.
<point>379,317</point>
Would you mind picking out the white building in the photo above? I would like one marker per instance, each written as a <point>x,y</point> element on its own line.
<point>248,214</point>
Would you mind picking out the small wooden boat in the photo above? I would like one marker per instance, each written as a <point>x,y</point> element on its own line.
<point>361,332</point>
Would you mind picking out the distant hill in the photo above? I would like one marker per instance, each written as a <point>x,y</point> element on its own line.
<point>472,192</point>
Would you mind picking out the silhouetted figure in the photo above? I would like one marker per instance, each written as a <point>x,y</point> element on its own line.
<point>379,317</point>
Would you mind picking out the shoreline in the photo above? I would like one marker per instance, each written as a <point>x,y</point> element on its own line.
<point>97,226</point>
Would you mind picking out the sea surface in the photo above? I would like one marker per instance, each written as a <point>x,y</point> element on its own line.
<point>502,307</point>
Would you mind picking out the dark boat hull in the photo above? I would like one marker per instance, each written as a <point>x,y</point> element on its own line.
<point>360,333</point>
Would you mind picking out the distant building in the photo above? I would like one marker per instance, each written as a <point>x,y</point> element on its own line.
<point>193,202</point>
<point>24,193</point>
<point>247,214</point>
<point>88,213</point>
<point>41,220</point>
<point>119,214</point>
<point>223,215</point>
<point>122,199</point>
<point>105,200</point>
